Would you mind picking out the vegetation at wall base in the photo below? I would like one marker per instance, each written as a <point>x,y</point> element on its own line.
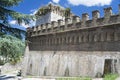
<point>110,76</point>
<point>74,78</point>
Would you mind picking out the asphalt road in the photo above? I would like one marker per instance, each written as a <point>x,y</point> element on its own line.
<point>7,77</point>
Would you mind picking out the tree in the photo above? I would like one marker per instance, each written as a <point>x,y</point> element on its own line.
<point>11,48</point>
<point>6,13</point>
<point>67,12</point>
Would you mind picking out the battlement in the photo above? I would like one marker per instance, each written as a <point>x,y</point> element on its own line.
<point>75,23</point>
<point>50,8</point>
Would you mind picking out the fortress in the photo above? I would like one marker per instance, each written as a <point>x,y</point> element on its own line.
<point>70,46</point>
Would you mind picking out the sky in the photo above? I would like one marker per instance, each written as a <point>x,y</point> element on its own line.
<point>78,7</point>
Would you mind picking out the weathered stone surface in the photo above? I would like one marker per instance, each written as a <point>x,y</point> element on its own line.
<point>76,63</point>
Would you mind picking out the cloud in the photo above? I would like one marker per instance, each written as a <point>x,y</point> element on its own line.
<point>33,11</point>
<point>14,22</point>
<point>32,23</point>
<point>90,2</point>
<point>56,1</point>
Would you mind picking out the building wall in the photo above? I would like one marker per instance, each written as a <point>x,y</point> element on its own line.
<point>105,38</point>
<point>69,63</point>
<point>43,19</point>
<point>56,16</point>
<point>74,47</point>
<point>48,18</point>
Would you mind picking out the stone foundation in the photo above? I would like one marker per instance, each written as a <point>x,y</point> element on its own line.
<point>69,63</point>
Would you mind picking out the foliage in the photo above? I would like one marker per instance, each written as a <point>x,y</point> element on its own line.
<point>74,78</point>
<point>110,76</point>
<point>6,13</point>
<point>67,12</point>
<point>11,48</point>
<point>42,11</point>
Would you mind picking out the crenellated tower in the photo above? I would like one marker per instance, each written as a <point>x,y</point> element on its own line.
<point>49,13</point>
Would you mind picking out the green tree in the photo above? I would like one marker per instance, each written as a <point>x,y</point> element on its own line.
<point>67,12</point>
<point>11,48</point>
<point>6,13</point>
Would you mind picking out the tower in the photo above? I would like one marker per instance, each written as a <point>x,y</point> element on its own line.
<point>49,13</point>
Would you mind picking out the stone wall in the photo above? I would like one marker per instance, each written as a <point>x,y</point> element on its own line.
<point>74,46</point>
<point>69,63</point>
<point>48,18</point>
<point>104,38</point>
<point>75,23</point>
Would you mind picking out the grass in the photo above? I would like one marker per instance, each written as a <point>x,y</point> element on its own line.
<point>74,78</point>
<point>110,76</point>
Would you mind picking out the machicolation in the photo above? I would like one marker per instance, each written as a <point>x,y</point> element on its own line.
<point>103,32</point>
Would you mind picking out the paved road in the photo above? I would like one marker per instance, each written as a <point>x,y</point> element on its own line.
<point>98,79</point>
<point>7,77</point>
<point>118,78</point>
<point>37,79</point>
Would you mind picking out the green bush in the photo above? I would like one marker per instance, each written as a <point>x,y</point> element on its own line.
<point>110,76</point>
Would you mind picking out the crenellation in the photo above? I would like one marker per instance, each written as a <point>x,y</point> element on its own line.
<point>85,17</point>
<point>43,26</point>
<point>48,25</point>
<point>54,23</point>
<point>75,19</point>
<point>34,28</point>
<point>95,14</point>
<point>69,23</point>
<point>60,22</point>
<point>108,12</point>
<point>39,27</point>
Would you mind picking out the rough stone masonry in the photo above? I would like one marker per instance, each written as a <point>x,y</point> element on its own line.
<point>72,46</point>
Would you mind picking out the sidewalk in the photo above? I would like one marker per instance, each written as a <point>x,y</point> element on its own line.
<point>118,78</point>
<point>98,79</point>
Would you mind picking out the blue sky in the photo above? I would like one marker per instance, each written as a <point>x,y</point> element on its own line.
<point>77,6</point>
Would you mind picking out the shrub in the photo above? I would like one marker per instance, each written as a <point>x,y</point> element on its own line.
<point>110,76</point>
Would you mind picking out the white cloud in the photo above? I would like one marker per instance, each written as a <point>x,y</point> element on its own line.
<point>90,2</point>
<point>33,11</point>
<point>56,1</point>
<point>13,22</point>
